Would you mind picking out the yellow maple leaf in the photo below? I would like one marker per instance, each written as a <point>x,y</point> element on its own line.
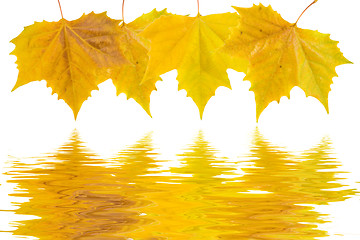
<point>127,79</point>
<point>70,55</point>
<point>282,56</point>
<point>190,44</point>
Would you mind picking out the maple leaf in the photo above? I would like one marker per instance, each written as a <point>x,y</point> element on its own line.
<point>282,56</point>
<point>127,78</point>
<point>189,44</point>
<point>70,55</point>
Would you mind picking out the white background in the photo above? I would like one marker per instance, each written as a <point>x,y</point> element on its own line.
<point>32,121</point>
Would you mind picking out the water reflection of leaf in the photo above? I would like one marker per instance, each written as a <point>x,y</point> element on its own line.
<point>76,196</point>
<point>180,204</point>
<point>318,168</point>
<point>80,196</point>
<point>288,186</point>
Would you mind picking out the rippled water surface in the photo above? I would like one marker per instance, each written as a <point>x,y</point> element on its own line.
<point>267,194</point>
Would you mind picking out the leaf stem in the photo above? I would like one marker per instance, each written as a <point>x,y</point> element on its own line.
<point>62,16</point>
<point>198,6</point>
<point>305,11</point>
<point>123,5</point>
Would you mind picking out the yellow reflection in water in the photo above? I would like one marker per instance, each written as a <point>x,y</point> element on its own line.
<point>76,195</point>
<point>287,186</point>
<point>134,196</point>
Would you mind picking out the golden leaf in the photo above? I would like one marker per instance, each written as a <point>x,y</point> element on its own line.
<point>127,78</point>
<point>190,44</point>
<point>282,56</point>
<point>72,56</point>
